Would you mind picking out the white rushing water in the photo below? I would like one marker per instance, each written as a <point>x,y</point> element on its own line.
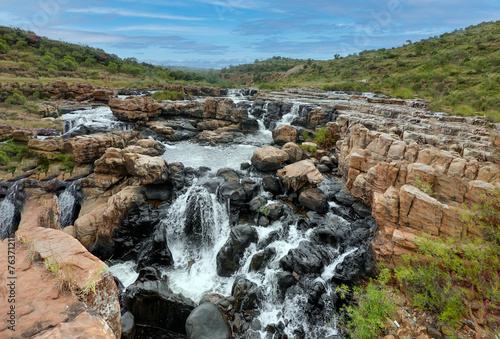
<point>67,201</point>
<point>97,117</point>
<point>288,118</point>
<point>8,211</point>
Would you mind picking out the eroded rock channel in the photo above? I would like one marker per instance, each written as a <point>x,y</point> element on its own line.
<point>223,219</point>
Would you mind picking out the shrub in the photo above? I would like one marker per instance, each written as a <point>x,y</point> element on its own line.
<point>67,161</point>
<point>4,47</point>
<point>16,98</point>
<point>374,305</point>
<point>4,159</point>
<point>449,274</point>
<point>324,137</point>
<point>212,77</point>
<point>464,110</point>
<point>403,93</point>
<point>112,68</point>
<point>168,95</point>
<point>14,151</point>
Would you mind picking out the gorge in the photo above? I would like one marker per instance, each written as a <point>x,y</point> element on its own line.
<point>218,215</point>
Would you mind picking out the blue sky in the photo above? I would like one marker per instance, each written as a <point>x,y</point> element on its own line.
<point>217,33</point>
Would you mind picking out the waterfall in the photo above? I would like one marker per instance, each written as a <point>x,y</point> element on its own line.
<point>68,204</point>
<point>288,118</point>
<point>196,227</point>
<point>8,210</point>
<point>97,118</point>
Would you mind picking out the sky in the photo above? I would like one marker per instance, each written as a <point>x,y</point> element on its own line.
<point>219,33</point>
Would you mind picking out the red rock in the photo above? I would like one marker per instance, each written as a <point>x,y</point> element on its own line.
<point>299,174</point>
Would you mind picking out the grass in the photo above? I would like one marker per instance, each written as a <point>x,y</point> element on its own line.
<point>168,95</point>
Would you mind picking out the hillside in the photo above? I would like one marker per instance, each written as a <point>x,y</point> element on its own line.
<point>26,56</point>
<point>457,72</point>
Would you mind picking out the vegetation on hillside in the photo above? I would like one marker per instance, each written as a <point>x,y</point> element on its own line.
<point>23,54</point>
<point>457,72</point>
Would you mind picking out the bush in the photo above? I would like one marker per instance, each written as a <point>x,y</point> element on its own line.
<point>13,151</point>
<point>16,98</point>
<point>464,110</point>
<point>212,77</point>
<point>448,275</point>
<point>112,68</point>
<point>374,305</point>
<point>168,95</point>
<point>324,138</point>
<point>403,93</point>
<point>67,161</point>
<point>4,47</point>
<point>4,158</point>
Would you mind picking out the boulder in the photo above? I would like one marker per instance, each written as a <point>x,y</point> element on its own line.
<point>153,304</point>
<point>85,325</point>
<point>206,322</point>
<point>230,254</point>
<point>48,147</point>
<point>135,108</point>
<point>271,184</point>
<point>147,170</point>
<point>300,174</point>
<point>284,134</point>
<point>314,199</point>
<point>305,259</point>
<point>103,94</point>
<point>295,153</point>
<point>268,158</point>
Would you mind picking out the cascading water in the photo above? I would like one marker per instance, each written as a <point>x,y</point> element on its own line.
<point>68,204</point>
<point>288,118</point>
<point>94,119</point>
<point>9,207</point>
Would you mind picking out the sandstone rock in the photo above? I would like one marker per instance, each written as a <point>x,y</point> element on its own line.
<point>88,148</point>
<point>314,199</point>
<point>103,94</point>
<point>268,158</point>
<point>47,148</point>
<point>212,124</point>
<point>315,117</point>
<point>22,135</point>
<point>161,128</point>
<point>79,269</point>
<point>419,211</point>
<point>300,174</point>
<point>294,152</point>
<point>148,170</point>
<point>5,132</point>
<point>86,325</point>
<point>80,91</point>
<point>284,134</point>
<point>135,108</point>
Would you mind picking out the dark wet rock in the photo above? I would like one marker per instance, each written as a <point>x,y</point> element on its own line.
<point>246,294</point>
<point>128,326</point>
<point>232,188</point>
<point>161,192</point>
<point>177,175</point>
<point>314,199</point>
<point>207,322</point>
<point>274,210</point>
<point>331,235</point>
<point>229,256</point>
<point>344,197</point>
<point>272,185</point>
<point>323,168</point>
<point>286,280</point>
<point>358,266</point>
<point>153,304</point>
<point>155,251</point>
<point>260,259</point>
<point>263,221</point>
<point>305,259</point>
<point>331,187</point>
<point>257,203</point>
<point>361,209</point>
<point>245,165</point>
<point>251,188</point>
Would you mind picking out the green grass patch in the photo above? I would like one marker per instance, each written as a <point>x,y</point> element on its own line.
<point>168,95</point>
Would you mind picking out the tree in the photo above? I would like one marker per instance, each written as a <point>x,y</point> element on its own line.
<point>112,68</point>
<point>3,46</point>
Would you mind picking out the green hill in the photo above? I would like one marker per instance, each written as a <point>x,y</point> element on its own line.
<point>457,72</point>
<point>25,55</point>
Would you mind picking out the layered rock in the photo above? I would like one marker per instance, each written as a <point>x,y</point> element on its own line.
<point>135,108</point>
<point>284,134</point>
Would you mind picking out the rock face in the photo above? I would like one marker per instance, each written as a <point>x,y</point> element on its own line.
<point>284,134</point>
<point>299,174</point>
<point>207,322</point>
<point>268,158</point>
<point>135,108</point>
<point>76,269</point>
<point>414,181</point>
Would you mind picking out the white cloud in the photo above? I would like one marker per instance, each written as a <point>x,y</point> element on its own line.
<point>121,12</point>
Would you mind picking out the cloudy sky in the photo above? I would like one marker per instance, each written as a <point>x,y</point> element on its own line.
<point>217,33</point>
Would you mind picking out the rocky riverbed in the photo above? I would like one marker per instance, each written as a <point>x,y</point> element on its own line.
<point>221,218</point>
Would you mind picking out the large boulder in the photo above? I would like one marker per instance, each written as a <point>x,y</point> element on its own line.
<point>269,158</point>
<point>229,256</point>
<point>135,108</point>
<point>295,153</point>
<point>300,174</point>
<point>153,304</point>
<point>47,148</point>
<point>305,259</point>
<point>314,199</point>
<point>284,134</point>
<point>103,94</point>
<point>207,322</point>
